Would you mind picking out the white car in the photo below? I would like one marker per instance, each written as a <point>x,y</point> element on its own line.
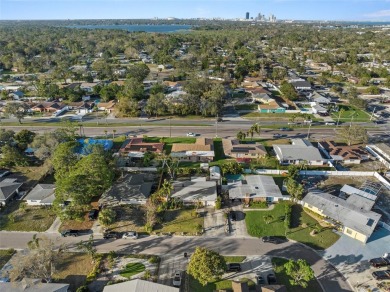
<point>191,134</point>
<point>177,279</point>
<point>130,234</point>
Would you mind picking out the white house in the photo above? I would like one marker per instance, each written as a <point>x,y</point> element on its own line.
<point>191,192</point>
<point>41,195</point>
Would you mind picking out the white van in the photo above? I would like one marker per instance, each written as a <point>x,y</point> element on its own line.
<point>330,123</point>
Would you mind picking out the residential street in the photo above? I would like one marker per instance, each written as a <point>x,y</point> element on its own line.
<point>331,280</point>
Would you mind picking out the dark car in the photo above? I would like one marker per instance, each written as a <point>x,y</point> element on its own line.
<point>285,129</point>
<point>380,262</point>
<point>381,275</point>
<point>233,267</point>
<point>93,214</point>
<point>112,234</point>
<point>70,232</point>
<point>233,215</point>
<point>271,279</point>
<point>272,239</point>
<point>260,279</point>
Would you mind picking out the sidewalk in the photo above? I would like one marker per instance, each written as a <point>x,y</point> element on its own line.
<point>55,226</point>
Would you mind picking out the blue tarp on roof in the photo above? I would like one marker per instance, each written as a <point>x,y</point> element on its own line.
<point>84,143</point>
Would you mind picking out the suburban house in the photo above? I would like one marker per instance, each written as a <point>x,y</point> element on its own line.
<point>202,150</point>
<point>9,188</point>
<point>271,107</point>
<point>262,97</point>
<point>380,151</point>
<point>242,152</point>
<point>354,221</point>
<point>318,109</point>
<point>136,148</point>
<point>301,85</point>
<point>363,198</point>
<point>88,87</point>
<point>301,150</point>
<point>129,189</point>
<point>106,106</point>
<point>28,285</point>
<point>319,98</point>
<point>48,107</point>
<point>255,188</point>
<point>16,95</point>
<point>41,195</point>
<point>137,285</point>
<point>194,191</point>
<point>345,154</point>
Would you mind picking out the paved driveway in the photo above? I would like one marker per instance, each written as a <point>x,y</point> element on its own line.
<point>214,223</point>
<point>239,226</point>
<point>168,265</point>
<point>351,257</point>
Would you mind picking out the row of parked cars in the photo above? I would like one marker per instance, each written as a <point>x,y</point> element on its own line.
<point>383,261</point>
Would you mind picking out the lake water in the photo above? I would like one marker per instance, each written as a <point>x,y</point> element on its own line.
<point>146,28</point>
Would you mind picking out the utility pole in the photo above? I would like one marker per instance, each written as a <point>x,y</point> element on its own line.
<point>372,114</point>
<point>216,127</point>
<point>170,127</point>
<point>308,131</point>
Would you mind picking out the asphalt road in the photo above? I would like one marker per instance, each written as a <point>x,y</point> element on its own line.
<point>328,277</point>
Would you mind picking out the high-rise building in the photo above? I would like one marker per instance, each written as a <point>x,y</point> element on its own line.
<point>247,15</point>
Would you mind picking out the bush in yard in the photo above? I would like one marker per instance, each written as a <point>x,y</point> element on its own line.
<point>287,218</point>
<point>83,288</point>
<point>218,203</point>
<point>300,272</point>
<point>154,259</point>
<point>107,216</point>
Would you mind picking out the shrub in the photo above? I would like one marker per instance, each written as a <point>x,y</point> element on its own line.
<point>218,203</point>
<point>83,288</point>
<point>154,259</point>
<point>287,219</point>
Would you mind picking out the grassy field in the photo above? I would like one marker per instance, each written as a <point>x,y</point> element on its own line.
<point>301,226</point>
<point>234,259</point>
<point>177,221</point>
<point>5,256</point>
<point>17,217</point>
<point>169,141</point>
<point>283,278</point>
<point>73,269</point>
<point>351,114</point>
<point>195,286</point>
<point>132,269</point>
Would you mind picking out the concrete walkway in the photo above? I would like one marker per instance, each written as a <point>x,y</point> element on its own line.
<point>55,226</point>
<point>214,222</point>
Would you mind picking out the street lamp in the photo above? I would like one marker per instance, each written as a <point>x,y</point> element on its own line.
<point>170,127</point>
<point>216,127</point>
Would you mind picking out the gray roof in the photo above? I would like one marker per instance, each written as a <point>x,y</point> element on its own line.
<point>297,152</point>
<point>128,189</point>
<point>41,192</point>
<point>191,191</point>
<point>8,188</point>
<point>349,215</point>
<point>32,285</point>
<point>139,285</point>
<point>301,84</point>
<point>254,186</point>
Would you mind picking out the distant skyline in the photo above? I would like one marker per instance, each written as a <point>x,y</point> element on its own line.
<point>348,10</point>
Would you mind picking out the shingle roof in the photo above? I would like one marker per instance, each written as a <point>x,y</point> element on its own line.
<point>7,189</point>
<point>343,211</point>
<point>32,285</point>
<point>138,285</point>
<point>41,192</point>
<point>195,190</point>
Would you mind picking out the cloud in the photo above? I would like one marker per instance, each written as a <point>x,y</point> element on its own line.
<point>379,14</point>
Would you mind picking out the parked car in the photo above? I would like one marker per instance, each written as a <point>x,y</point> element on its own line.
<point>383,261</point>
<point>177,279</point>
<point>277,135</point>
<point>330,124</point>
<point>93,214</point>
<point>130,234</point>
<point>219,119</point>
<point>4,173</point>
<point>190,134</point>
<point>111,234</point>
<point>271,279</point>
<point>285,129</point>
<point>272,239</point>
<point>260,279</point>
<point>70,232</point>
<point>381,275</point>
<point>233,267</point>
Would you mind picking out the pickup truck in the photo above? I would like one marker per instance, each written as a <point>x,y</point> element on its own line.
<point>381,262</point>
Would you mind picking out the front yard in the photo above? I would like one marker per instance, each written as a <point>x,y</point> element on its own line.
<point>195,286</point>
<point>283,278</point>
<point>5,256</point>
<point>128,218</point>
<point>301,226</point>
<point>17,216</point>
<point>350,113</point>
<point>180,221</point>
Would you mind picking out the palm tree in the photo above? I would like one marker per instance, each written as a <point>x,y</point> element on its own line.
<point>250,133</point>
<point>105,133</point>
<point>166,188</point>
<point>256,128</point>
<point>241,135</point>
<point>113,134</point>
<point>341,111</point>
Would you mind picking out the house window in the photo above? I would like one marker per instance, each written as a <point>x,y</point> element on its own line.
<point>349,231</point>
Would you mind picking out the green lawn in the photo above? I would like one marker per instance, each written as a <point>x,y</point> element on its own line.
<point>132,269</point>
<point>351,114</point>
<point>5,256</point>
<point>252,106</point>
<point>169,141</point>
<point>302,225</point>
<point>195,286</point>
<point>32,218</point>
<point>234,259</point>
<point>177,221</point>
<point>283,278</point>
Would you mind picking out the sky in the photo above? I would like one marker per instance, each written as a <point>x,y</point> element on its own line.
<point>350,10</point>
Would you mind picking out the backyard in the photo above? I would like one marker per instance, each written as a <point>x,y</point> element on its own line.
<point>180,221</point>
<point>301,226</point>
<point>169,141</point>
<point>283,278</point>
<point>17,216</point>
<point>350,113</point>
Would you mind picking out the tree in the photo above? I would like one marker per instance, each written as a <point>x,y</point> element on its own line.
<point>166,188</point>
<point>241,135</point>
<point>6,136</point>
<point>88,247</point>
<point>138,71</point>
<point>155,104</point>
<point>18,110</point>
<point>353,134</point>
<point>39,262</point>
<point>373,90</point>
<point>288,91</point>
<point>206,265</point>
<point>11,156</point>
<point>300,272</point>
<point>293,171</point>
<point>294,189</point>
<point>24,137</point>
<point>107,216</point>
<point>64,159</point>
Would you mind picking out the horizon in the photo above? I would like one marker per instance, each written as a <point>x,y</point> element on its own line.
<point>297,10</point>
